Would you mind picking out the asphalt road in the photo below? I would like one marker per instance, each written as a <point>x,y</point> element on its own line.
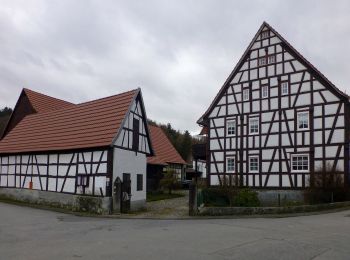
<point>27,233</point>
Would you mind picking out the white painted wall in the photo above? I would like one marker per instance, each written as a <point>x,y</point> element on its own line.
<point>125,161</point>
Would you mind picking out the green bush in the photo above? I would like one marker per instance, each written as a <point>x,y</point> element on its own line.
<point>326,186</point>
<point>169,181</point>
<point>246,198</point>
<point>230,197</point>
<point>217,197</point>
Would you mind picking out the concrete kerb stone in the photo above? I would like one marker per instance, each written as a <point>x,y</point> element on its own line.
<point>98,207</point>
<point>228,211</point>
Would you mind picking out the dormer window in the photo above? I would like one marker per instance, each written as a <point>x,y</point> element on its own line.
<point>265,34</point>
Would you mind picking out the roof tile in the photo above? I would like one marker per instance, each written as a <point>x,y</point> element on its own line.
<point>164,151</point>
<point>86,125</point>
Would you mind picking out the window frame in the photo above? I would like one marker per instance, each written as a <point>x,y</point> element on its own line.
<point>265,34</point>
<point>227,127</point>
<point>257,158</point>
<point>139,184</point>
<point>300,155</point>
<point>308,120</point>
<point>244,96</point>
<point>270,56</point>
<point>287,83</point>
<point>262,59</point>
<point>234,164</point>
<point>267,91</point>
<point>250,124</point>
<point>81,182</point>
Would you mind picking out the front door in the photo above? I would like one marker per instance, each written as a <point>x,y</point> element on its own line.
<point>126,193</point>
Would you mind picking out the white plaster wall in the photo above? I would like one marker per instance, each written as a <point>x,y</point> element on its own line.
<point>129,162</point>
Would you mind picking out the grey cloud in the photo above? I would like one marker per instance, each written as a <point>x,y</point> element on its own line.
<point>178,52</point>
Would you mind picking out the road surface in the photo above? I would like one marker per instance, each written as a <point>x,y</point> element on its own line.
<point>28,233</point>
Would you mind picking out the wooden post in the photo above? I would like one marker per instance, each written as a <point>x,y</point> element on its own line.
<point>192,204</point>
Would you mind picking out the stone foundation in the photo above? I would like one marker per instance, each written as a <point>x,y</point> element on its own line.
<point>96,205</point>
<point>280,197</point>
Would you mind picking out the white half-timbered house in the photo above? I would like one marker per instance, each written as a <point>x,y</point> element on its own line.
<point>277,120</point>
<point>80,149</point>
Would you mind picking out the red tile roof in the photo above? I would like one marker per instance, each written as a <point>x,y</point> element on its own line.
<point>44,103</point>
<point>86,125</point>
<point>164,151</point>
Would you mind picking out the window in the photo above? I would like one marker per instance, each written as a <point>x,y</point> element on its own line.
<point>265,34</point>
<point>303,120</point>
<point>135,134</point>
<point>230,164</point>
<point>245,94</point>
<point>264,91</point>
<point>300,162</point>
<point>285,88</point>
<point>253,164</point>
<point>272,59</point>
<point>82,180</point>
<point>231,127</point>
<point>262,61</point>
<point>139,183</point>
<point>253,126</point>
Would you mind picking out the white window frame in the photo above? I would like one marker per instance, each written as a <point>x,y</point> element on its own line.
<point>254,157</point>
<point>228,127</point>
<point>300,155</point>
<point>83,180</point>
<point>234,164</point>
<point>250,124</point>
<point>265,34</point>
<point>308,120</point>
<point>245,94</point>
<point>269,58</point>
<point>282,87</point>
<point>264,91</point>
<point>262,61</point>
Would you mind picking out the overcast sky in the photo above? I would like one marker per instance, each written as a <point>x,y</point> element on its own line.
<point>178,52</point>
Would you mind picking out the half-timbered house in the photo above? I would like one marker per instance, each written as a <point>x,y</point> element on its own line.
<point>55,146</point>
<point>277,121</point>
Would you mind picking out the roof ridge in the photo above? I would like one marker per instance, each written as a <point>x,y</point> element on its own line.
<point>36,92</point>
<point>66,109</point>
<point>85,102</point>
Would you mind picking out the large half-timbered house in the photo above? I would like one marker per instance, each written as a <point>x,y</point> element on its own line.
<point>276,121</point>
<point>56,146</point>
